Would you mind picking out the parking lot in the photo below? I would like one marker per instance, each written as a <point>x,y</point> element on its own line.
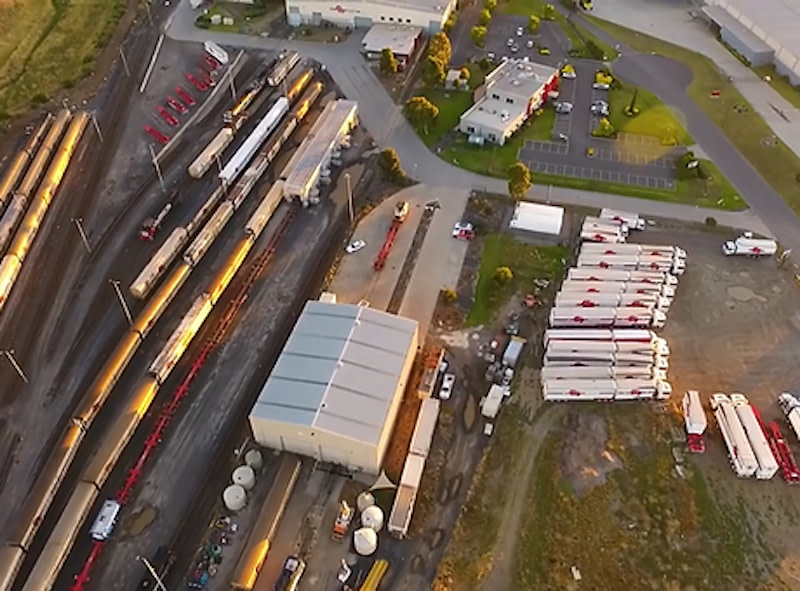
<point>503,29</point>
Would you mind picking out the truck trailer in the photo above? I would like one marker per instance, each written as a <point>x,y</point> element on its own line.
<point>605,390</point>
<point>611,300</point>
<point>634,263</point>
<point>746,245</point>
<point>636,275</point>
<point>601,223</point>
<point>606,317</point>
<point>655,346</point>
<point>695,422</point>
<point>600,372</point>
<point>767,464</point>
<point>618,287</point>
<point>601,334</point>
<point>633,248</point>
<point>593,235</point>
<point>740,452</point>
<point>791,408</point>
<point>632,220</point>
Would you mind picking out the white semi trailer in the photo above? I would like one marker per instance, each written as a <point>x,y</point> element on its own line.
<point>598,372</point>
<point>634,263</point>
<point>605,224</point>
<point>601,334</point>
<point>746,245</point>
<point>655,346</point>
<point>791,408</point>
<point>574,285</point>
<point>636,275</point>
<point>767,464</point>
<point>607,317</point>
<point>632,220</point>
<point>592,234</point>
<point>570,299</point>
<point>633,248</point>
<point>605,390</point>
<point>741,455</point>
<point>694,418</point>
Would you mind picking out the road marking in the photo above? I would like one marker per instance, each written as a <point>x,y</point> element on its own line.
<point>152,63</point>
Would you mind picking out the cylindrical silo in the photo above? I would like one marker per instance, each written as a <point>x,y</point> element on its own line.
<point>365,541</point>
<point>254,459</point>
<point>234,497</point>
<point>372,517</point>
<point>245,477</point>
<point>364,500</point>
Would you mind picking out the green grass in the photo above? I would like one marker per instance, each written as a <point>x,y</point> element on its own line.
<point>46,46</point>
<point>527,262</point>
<point>777,164</point>
<point>781,84</point>
<point>643,524</point>
<point>654,117</point>
<point>451,103</point>
<point>476,75</point>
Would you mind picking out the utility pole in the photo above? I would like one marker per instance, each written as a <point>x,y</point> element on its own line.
<point>157,167</point>
<point>122,302</point>
<point>124,61</point>
<point>349,196</point>
<point>79,224</point>
<point>233,86</point>
<point>149,13</point>
<point>9,353</point>
<point>159,583</point>
<point>414,172</point>
<point>97,126</point>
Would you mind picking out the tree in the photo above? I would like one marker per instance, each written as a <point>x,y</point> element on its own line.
<point>421,112</point>
<point>484,17</point>
<point>486,65</point>
<point>390,163</point>
<point>434,72</point>
<point>503,275</point>
<point>534,22</point>
<point>478,35</point>
<point>464,74</point>
<point>549,12</point>
<point>440,48</point>
<point>490,4</point>
<point>519,180</point>
<point>388,61</point>
<point>604,129</point>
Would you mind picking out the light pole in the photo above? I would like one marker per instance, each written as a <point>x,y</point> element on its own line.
<point>122,302</point>
<point>349,196</point>
<point>233,86</point>
<point>9,353</point>
<point>124,61</point>
<point>159,583</point>
<point>157,167</point>
<point>97,126</point>
<point>414,172</point>
<point>79,224</point>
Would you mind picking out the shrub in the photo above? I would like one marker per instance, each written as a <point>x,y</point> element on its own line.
<point>484,17</point>
<point>485,65</point>
<point>449,296</point>
<point>503,275</point>
<point>711,222</point>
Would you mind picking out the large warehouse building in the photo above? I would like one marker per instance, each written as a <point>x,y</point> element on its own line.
<point>336,388</point>
<point>362,14</point>
<point>764,32</point>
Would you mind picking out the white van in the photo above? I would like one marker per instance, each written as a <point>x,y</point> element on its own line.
<point>105,522</point>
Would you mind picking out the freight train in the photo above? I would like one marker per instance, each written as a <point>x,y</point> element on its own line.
<point>60,459</point>
<point>11,265</point>
<point>20,163</point>
<point>169,251</point>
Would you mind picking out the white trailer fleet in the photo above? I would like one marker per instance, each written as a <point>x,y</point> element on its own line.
<point>601,344</point>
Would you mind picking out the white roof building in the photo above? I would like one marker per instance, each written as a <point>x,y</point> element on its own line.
<point>512,92</point>
<point>763,32</point>
<point>336,388</point>
<point>362,14</point>
<point>401,39</point>
<point>537,218</point>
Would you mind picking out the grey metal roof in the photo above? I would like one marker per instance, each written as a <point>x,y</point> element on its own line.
<point>776,22</point>
<point>338,371</point>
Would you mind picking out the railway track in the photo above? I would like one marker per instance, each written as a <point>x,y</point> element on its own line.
<point>400,288</point>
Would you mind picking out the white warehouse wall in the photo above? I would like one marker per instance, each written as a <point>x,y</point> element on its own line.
<point>364,13</point>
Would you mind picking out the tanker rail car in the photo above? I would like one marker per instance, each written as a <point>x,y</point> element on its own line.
<point>179,238</point>
<point>20,163</point>
<point>103,461</point>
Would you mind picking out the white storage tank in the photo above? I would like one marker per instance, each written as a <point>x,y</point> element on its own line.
<point>254,459</point>
<point>364,500</point>
<point>234,497</point>
<point>245,477</point>
<point>372,517</point>
<point>365,541</point>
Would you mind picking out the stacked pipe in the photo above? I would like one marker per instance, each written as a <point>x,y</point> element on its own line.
<point>601,343</point>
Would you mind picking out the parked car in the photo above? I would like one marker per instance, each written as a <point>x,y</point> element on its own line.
<point>568,73</point>
<point>520,31</point>
<point>176,105</point>
<point>463,230</point>
<point>564,108</point>
<point>530,44</point>
<point>446,391</point>
<point>355,246</point>
<point>510,42</point>
<point>599,86</point>
<point>544,51</point>
<point>491,56</point>
<point>562,137</point>
<point>514,48</point>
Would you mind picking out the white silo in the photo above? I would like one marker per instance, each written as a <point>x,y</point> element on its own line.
<point>254,459</point>
<point>372,517</point>
<point>245,477</point>
<point>365,541</point>
<point>234,497</point>
<point>364,500</point>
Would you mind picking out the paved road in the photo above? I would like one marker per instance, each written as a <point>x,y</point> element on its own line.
<point>388,126</point>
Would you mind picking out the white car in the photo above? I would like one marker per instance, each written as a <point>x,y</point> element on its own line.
<point>355,246</point>
<point>599,86</point>
<point>463,230</point>
<point>510,42</point>
<point>568,75</point>
<point>514,48</point>
<point>446,391</point>
<point>564,108</point>
<point>520,31</point>
<point>530,44</point>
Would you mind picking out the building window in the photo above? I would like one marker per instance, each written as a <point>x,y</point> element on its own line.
<point>509,100</point>
<point>391,19</point>
<point>383,18</point>
<point>496,96</point>
<point>408,20</point>
<point>492,137</point>
<point>470,129</point>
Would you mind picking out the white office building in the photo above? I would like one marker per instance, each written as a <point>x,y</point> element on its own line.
<point>362,14</point>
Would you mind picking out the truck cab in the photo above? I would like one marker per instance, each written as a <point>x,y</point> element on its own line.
<point>401,211</point>
<point>289,579</point>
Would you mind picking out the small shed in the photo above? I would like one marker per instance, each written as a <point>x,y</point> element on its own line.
<point>537,218</point>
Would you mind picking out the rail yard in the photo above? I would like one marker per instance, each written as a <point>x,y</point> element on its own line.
<point>237,354</point>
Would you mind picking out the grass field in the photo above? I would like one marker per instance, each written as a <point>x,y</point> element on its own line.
<point>47,46</point>
<point>451,103</point>
<point>654,117</point>
<point>643,525</point>
<point>776,163</point>
<point>527,262</point>
<point>781,84</point>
